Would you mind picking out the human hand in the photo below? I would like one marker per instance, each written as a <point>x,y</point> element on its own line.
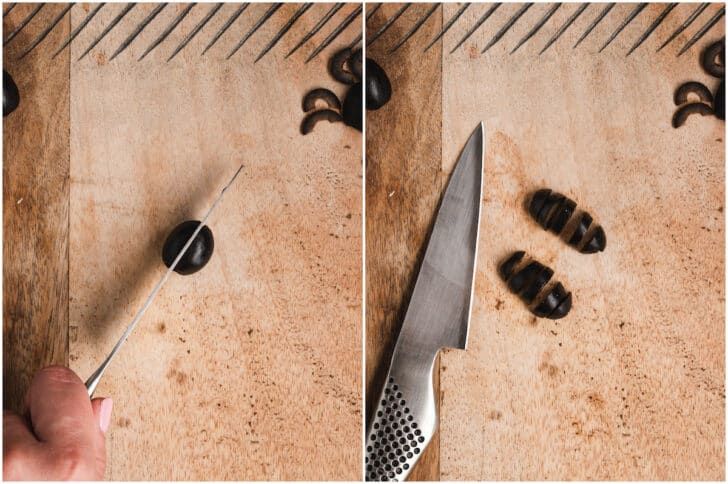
<point>63,436</point>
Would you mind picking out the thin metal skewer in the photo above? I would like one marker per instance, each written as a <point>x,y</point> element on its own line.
<point>652,27</point>
<point>447,26</point>
<point>130,38</point>
<point>168,30</point>
<point>507,27</point>
<point>549,13</point>
<point>108,28</point>
<point>415,27</point>
<point>594,23</point>
<point>346,22</point>
<point>356,40</point>
<point>47,31</point>
<point>10,7</point>
<point>371,12</point>
<point>388,24</point>
<point>319,25</point>
<point>685,24</point>
<point>477,25</point>
<point>268,14</point>
<point>22,24</point>
<point>703,30</point>
<point>563,28</point>
<point>80,27</point>
<point>226,26</point>
<point>626,22</point>
<point>196,30</point>
<point>93,380</point>
<point>283,30</point>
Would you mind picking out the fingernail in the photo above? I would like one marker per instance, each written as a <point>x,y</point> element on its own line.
<point>105,414</point>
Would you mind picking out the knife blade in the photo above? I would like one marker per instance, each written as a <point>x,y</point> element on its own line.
<point>93,381</point>
<point>438,316</point>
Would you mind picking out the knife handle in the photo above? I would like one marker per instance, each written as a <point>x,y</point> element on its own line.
<point>404,420</point>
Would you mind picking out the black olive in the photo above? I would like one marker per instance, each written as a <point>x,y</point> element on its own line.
<point>309,101</point>
<point>581,229</point>
<point>537,284</point>
<point>555,305</point>
<point>713,59</point>
<point>379,89</point>
<point>553,211</point>
<point>682,114</point>
<point>524,277</point>
<point>506,268</point>
<point>352,107</point>
<point>322,115</point>
<point>719,106</point>
<point>11,96</point>
<point>597,242</point>
<point>692,87</point>
<point>336,67</point>
<point>530,281</point>
<point>355,63</point>
<point>197,255</point>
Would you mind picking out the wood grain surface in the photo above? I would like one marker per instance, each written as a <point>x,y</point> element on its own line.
<point>403,185</point>
<point>631,384</point>
<point>251,368</point>
<point>35,208</point>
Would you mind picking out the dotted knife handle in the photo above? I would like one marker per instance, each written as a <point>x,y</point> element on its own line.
<point>395,438</point>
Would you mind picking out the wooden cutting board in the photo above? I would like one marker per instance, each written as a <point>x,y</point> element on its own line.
<point>630,385</point>
<point>249,369</point>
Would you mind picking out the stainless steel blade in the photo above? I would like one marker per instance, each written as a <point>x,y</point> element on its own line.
<point>438,316</point>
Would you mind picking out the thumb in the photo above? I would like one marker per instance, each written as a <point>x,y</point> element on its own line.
<point>102,411</point>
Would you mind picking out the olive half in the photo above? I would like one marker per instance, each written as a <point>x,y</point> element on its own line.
<point>11,96</point>
<point>379,89</point>
<point>719,103</point>
<point>197,255</point>
<point>352,107</point>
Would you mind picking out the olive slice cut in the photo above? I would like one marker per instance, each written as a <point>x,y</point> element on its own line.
<point>506,268</point>
<point>581,229</point>
<point>534,288</point>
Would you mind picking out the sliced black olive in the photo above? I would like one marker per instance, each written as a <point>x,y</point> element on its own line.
<point>682,114</point>
<point>11,96</point>
<point>336,67</point>
<point>379,89</point>
<point>548,306</point>
<point>544,216</point>
<point>506,268</point>
<point>693,87</point>
<point>713,59</point>
<point>538,283</point>
<point>524,277</point>
<point>719,106</point>
<point>323,115</point>
<point>596,243</point>
<point>355,63</point>
<point>562,309</point>
<point>197,255</point>
<point>530,281</point>
<point>309,101</point>
<point>561,215</point>
<point>352,107</point>
<point>581,229</point>
<point>537,201</point>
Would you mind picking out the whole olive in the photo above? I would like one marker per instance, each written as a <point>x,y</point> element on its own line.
<point>11,96</point>
<point>719,100</point>
<point>379,89</point>
<point>197,255</point>
<point>352,107</point>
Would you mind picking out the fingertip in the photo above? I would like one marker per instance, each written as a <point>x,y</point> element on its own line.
<point>102,411</point>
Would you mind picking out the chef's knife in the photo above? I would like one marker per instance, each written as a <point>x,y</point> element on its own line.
<point>437,317</point>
